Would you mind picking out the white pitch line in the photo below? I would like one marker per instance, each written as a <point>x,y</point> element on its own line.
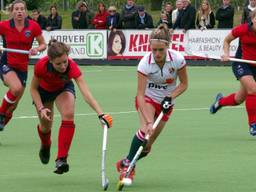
<point>124,112</point>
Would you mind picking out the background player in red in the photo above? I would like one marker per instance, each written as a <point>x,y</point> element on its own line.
<point>245,73</point>
<point>52,83</point>
<point>17,33</point>
<point>157,86</point>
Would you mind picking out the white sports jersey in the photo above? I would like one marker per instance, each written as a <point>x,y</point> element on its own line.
<point>161,82</point>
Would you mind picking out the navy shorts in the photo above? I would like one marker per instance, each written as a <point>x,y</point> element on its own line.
<point>47,96</point>
<point>5,68</point>
<point>243,69</point>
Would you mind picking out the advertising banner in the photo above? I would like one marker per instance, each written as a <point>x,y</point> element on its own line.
<point>135,43</point>
<point>208,43</point>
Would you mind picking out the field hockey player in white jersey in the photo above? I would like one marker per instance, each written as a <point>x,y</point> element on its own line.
<point>157,89</point>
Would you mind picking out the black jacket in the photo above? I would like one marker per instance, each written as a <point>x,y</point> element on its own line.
<point>128,17</point>
<point>209,25</point>
<point>225,16</point>
<point>116,24</point>
<point>54,23</point>
<point>148,21</point>
<point>186,18</point>
<point>42,21</point>
<point>84,22</point>
<point>246,15</point>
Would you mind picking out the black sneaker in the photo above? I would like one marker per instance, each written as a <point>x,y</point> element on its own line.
<point>2,122</point>
<point>61,166</point>
<point>44,154</point>
<point>216,106</point>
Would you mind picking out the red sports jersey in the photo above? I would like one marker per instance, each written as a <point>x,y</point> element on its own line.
<point>50,79</point>
<point>248,41</point>
<point>19,40</point>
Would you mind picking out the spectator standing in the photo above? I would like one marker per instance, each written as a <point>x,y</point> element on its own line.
<point>186,20</point>
<point>40,19</point>
<point>54,20</point>
<point>247,10</point>
<point>128,15</point>
<point>143,20</point>
<point>164,19</point>
<point>100,19</point>
<point>82,17</point>
<point>168,9</point>
<point>225,15</point>
<point>177,11</point>
<point>113,19</point>
<point>205,17</point>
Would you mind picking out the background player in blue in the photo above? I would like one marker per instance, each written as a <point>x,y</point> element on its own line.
<point>157,75</point>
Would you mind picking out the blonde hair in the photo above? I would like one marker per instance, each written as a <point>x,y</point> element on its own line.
<point>57,49</point>
<point>201,12</point>
<point>161,33</point>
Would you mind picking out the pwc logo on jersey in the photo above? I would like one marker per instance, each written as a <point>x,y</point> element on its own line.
<point>171,70</point>
<point>156,86</point>
<point>27,33</point>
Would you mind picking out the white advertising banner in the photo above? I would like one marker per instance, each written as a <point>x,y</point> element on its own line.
<point>91,44</point>
<point>135,43</point>
<point>208,42</point>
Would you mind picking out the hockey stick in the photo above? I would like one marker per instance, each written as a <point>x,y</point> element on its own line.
<point>14,50</point>
<point>104,180</point>
<point>219,58</point>
<point>125,181</point>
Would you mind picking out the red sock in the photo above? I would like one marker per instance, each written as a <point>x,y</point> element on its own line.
<point>228,100</point>
<point>8,100</point>
<point>250,104</point>
<point>44,137</point>
<point>66,133</point>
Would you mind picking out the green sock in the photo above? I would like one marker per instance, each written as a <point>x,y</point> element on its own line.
<point>137,141</point>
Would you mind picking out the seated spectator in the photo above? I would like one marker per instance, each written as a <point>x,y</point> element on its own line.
<point>100,19</point>
<point>113,19</point>
<point>164,19</point>
<point>143,20</point>
<point>205,17</point>
<point>168,9</point>
<point>247,10</point>
<point>225,15</point>
<point>40,19</point>
<point>54,20</point>
<point>128,15</point>
<point>177,11</point>
<point>82,17</point>
<point>186,20</point>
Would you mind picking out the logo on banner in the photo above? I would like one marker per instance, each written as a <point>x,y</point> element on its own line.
<point>95,44</point>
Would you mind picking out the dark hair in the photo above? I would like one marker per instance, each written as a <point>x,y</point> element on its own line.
<point>57,49</point>
<point>161,33</point>
<point>16,2</point>
<point>111,40</point>
<point>35,10</point>
<point>101,3</point>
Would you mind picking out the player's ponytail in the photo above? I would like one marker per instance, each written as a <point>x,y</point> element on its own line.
<point>57,49</point>
<point>161,33</point>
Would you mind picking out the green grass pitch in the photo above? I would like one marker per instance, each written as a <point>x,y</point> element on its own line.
<point>197,152</point>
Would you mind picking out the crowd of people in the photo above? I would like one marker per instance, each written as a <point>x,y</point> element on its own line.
<point>182,15</point>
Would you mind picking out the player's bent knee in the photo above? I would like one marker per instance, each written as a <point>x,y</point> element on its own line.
<point>251,91</point>
<point>67,116</point>
<point>17,90</point>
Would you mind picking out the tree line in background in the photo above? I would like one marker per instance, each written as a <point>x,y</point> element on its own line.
<point>150,4</point>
